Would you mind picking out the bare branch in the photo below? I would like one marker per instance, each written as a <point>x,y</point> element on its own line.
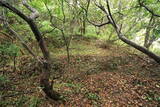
<point>98,25</point>
<point>34,14</point>
<point>148,9</point>
<point>110,17</point>
<point>86,13</point>
<point>52,17</point>
<point>48,31</point>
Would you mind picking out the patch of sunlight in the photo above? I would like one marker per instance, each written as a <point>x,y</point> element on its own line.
<point>139,38</point>
<point>81,49</point>
<point>156,47</point>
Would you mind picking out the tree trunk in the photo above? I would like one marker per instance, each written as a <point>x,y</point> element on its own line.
<point>123,38</point>
<point>44,80</point>
<point>46,85</point>
<point>147,36</point>
<point>84,25</point>
<point>140,48</point>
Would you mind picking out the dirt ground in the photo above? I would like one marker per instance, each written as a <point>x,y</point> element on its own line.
<point>104,76</point>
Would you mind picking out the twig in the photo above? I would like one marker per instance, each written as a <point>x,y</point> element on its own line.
<point>15,94</point>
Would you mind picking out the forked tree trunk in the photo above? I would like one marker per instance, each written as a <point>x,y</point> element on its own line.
<point>44,80</point>
<point>46,85</point>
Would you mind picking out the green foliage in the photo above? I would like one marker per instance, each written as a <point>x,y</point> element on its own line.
<point>151,96</point>
<point>21,101</point>
<point>72,85</point>
<point>156,50</point>
<point>153,5</point>
<point>11,15</point>
<point>92,96</point>
<point>156,32</point>
<point>34,102</point>
<point>45,26</point>
<point>3,80</point>
<point>38,5</point>
<point>157,98</point>
<point>9,49</point>
<point>91,30</point>
<point>4,103</point>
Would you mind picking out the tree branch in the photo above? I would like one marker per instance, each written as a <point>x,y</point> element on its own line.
<point>32,25</point>
<point>124,39</point>
<point>98,25</point>
<point>34,14</point>
<point>148,9</point>
<point>86,13</point>
<point>44,80</point>
<point>48,31</point>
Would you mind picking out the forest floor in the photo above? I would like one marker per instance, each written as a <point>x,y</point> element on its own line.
<point>99,75</point>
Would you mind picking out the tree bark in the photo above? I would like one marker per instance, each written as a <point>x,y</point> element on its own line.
<point>147,42</point>
<point>127,41</point>
<point>140,48</point>
<point>122,37</point>
<point>44,80</point>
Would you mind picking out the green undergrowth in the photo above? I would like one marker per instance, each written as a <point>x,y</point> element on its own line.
<point>91,77</point>
<point>80,48</point>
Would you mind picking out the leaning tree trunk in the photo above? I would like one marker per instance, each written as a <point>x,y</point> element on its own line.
<point>44,80</point>
<point>140,48</point>
<point>122,37</point>
<point>127,41</point>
